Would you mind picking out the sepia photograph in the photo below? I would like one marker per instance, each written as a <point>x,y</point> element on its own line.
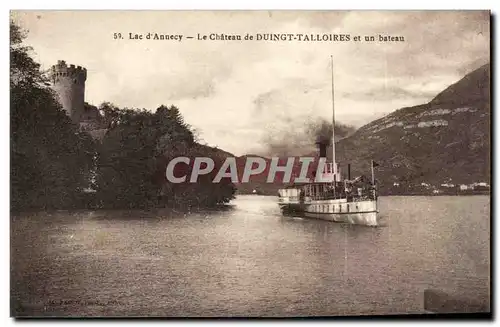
<point>250,163</point>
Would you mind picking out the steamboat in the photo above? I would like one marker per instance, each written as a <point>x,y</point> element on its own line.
<point>332,197</point>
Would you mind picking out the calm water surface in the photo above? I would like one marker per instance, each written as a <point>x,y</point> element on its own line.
<point>247,260</point>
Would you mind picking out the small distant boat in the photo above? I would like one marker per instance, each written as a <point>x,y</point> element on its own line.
<point>334,199</point>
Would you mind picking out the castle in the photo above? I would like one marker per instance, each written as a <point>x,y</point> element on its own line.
<point>69,84</point>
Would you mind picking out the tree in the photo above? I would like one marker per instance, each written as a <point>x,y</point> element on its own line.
<point>134,156</point>
<point>49,154</point>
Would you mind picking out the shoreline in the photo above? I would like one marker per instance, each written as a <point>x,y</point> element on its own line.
<point>402,194</point>
<point>193,210</point>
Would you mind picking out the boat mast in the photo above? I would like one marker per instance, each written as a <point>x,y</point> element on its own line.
<point>334,170</point>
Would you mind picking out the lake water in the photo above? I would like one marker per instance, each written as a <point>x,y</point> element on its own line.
<point>247,260</point>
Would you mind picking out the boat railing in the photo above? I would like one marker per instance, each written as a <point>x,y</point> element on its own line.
<point>366,195</point>
<point>351,193</point>
<point>288,199</point>
<point>327,197</point>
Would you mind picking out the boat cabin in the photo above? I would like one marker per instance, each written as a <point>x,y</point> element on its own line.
<point>324,191</point>
<point>359,189</point>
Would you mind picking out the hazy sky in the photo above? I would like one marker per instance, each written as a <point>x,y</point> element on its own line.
<point>238,94</point>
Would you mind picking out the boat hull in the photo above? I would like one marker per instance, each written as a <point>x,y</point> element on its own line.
<point>357,213</point>
<point>360,218</point>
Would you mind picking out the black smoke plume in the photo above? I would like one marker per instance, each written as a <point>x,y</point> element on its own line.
<point>301,136</point>
<point>321,131</point>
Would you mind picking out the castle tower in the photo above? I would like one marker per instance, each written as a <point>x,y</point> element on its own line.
<point>69,84</point>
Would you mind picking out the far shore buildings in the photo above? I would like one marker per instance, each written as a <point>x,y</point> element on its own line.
<point>475,186</point>
<point>444,187</point>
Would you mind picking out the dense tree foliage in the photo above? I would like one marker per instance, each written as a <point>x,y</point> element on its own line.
<point>52,160</point>
<point>49,156</point>
<point>133,158</point>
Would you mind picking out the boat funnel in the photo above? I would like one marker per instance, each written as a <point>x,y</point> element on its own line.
<point>322,149</point>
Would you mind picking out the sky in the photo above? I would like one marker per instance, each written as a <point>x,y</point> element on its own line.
<point>240,95</point>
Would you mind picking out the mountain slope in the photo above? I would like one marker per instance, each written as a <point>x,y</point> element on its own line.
<point>473,89</point>
<point>447,139</point>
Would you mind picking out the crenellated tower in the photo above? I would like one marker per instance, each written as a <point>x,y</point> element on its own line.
<point>69,84</point>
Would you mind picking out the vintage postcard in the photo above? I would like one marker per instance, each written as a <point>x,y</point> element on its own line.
<point>250,163</point>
